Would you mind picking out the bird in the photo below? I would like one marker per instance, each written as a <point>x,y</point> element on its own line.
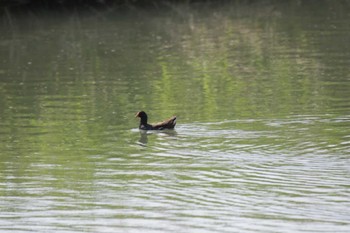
<point>166,124</point>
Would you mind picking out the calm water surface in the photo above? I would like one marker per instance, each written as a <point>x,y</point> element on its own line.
<point>262,95</point>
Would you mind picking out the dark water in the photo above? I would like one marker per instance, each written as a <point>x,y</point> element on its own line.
<point>262,94</point>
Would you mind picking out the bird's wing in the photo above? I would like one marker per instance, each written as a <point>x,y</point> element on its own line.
<point>166,124</point>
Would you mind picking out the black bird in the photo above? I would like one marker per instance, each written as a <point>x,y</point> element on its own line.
<point>166,124</point>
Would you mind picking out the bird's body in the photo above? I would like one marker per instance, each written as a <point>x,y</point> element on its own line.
<point>166,124</point>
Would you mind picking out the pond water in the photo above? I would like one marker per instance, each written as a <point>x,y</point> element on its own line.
<point>262,95</point>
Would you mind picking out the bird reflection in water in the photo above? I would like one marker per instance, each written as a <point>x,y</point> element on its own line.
<point>144,134</point>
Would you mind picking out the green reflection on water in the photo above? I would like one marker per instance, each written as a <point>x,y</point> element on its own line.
<point>205,65</point>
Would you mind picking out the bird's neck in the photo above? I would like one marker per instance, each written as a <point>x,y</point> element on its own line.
<point>143,121</point>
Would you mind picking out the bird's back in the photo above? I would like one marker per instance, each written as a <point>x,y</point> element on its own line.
<point>167,124</point>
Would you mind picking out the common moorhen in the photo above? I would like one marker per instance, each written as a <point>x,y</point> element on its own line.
<point>166,124</point>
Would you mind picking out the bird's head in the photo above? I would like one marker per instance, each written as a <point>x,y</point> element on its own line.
<point>143,117</point>
<point>141,114</point>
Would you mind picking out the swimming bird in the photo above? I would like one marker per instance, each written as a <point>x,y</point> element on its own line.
<point>166,124</point>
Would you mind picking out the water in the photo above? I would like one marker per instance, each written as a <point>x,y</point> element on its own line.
<point>262,97</point>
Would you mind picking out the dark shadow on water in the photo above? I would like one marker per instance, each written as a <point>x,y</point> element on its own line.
<point>143,141</point>
<point>143,138</point>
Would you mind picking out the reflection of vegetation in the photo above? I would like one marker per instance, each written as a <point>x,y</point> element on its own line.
<point>226,55</point>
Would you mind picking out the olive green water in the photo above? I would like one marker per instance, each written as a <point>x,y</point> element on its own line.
<point>262,95</point>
